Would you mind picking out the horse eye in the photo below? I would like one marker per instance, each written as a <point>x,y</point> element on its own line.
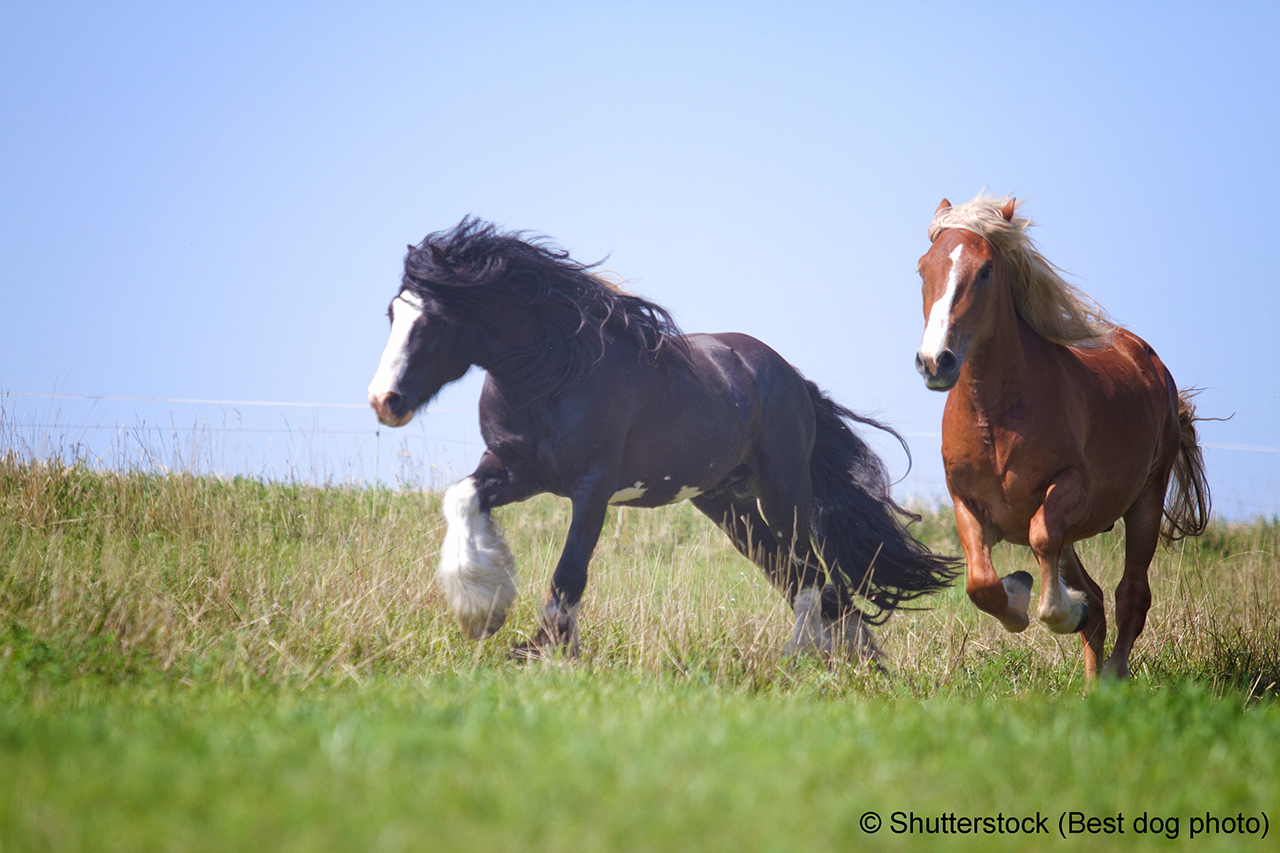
<point>985,272</point>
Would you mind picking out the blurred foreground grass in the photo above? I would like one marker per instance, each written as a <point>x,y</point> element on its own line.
<point>191,663</point>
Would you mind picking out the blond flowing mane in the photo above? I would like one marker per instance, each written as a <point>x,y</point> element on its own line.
<point>1058,311</point>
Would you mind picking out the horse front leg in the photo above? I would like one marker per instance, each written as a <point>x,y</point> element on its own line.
<point>1095,630</point>
<point>559,619</point>
<point>1008,598</point>
<point>477,571</point>
<point>1062,609</point>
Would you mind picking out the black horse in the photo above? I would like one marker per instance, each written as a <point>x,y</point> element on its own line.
<point>593,394</point>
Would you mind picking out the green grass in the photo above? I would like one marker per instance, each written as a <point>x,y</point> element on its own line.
<point>565,758</point>
<point>189,663</point>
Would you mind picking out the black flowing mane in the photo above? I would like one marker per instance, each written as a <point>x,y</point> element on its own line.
<point>467,271</point>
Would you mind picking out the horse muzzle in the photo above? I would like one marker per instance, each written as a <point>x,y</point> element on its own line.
<point>391,408</point>
<point>940,372</point>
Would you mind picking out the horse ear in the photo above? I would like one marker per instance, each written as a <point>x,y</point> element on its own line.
<point>1007,210</point>
<point>438,255</point>
<point>942,205</point>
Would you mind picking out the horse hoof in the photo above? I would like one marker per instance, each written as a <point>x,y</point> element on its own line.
<point>1084,619</point>
<point>543,649</point>
<point>525,652</point>
<point>1022,579</point>
<point>1017,589</point>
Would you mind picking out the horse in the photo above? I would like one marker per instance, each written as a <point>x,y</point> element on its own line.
<point>595,395</point>
<point>1058,422</point>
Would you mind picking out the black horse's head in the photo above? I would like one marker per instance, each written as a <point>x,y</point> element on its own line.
<point>510,303</point>
<point>424,353</point>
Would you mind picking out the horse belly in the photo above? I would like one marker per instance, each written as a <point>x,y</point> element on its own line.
<point>678,458</point>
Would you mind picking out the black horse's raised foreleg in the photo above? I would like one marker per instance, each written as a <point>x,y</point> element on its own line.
<point>477,572</point>
<point>498,485</point>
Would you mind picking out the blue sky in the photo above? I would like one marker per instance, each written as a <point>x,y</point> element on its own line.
<point>211,200</point>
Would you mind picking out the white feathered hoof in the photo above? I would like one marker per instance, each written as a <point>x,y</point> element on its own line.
<point>477,571</point>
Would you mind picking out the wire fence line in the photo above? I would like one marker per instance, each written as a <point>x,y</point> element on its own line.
<point>249,430</point>
<point>210,402</point>
<point>111,398</point>
<point>342,442</point>
<point>1249,448</point>
<point>322,442</point>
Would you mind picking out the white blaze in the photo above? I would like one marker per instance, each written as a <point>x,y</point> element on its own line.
<point>939,324</point>
<point>405,311</point>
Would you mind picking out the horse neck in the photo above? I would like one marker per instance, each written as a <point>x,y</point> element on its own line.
<point>513,351</point>
<point>504,360</point>
<point>995,370</point>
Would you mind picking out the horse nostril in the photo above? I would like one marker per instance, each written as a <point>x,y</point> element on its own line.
<point>946,361</point>
<point>391,403</point>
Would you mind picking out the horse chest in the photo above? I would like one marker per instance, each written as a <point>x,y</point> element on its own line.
<point>989,461</point>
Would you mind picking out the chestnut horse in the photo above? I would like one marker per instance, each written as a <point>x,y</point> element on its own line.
<point>1057,423</point>
<point>593,394</point>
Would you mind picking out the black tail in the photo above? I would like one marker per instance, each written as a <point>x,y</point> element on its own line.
<point>856,522</point>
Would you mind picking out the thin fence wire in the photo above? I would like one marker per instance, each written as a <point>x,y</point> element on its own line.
<point>340,442</point>
<point>321,443</point>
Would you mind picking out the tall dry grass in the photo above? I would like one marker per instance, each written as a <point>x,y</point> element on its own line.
<point>243,580</point>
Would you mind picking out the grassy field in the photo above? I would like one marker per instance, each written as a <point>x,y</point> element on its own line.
<point>191,663</point>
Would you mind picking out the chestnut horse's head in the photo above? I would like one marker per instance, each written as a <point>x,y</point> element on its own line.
<point>957,273</point>
<point>983,261</point>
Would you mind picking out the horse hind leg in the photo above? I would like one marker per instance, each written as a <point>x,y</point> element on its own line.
<point>823,629</point>
<point>847,630</point>
<point>742,520</point>
<point>819,627</point>
<point>826,622</point>
<point>1133,594</point>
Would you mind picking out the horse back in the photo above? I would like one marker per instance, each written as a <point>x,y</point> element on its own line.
<point>660,431</point>
<point>1129,395</point>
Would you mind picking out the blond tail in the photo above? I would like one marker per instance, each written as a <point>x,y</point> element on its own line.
<point>1187,504</point>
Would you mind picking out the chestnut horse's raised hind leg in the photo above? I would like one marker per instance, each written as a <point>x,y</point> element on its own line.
<point>1062,609</point>
<point>1095,630</point>
<point>1004,598</point>
<point>1133,594</point>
